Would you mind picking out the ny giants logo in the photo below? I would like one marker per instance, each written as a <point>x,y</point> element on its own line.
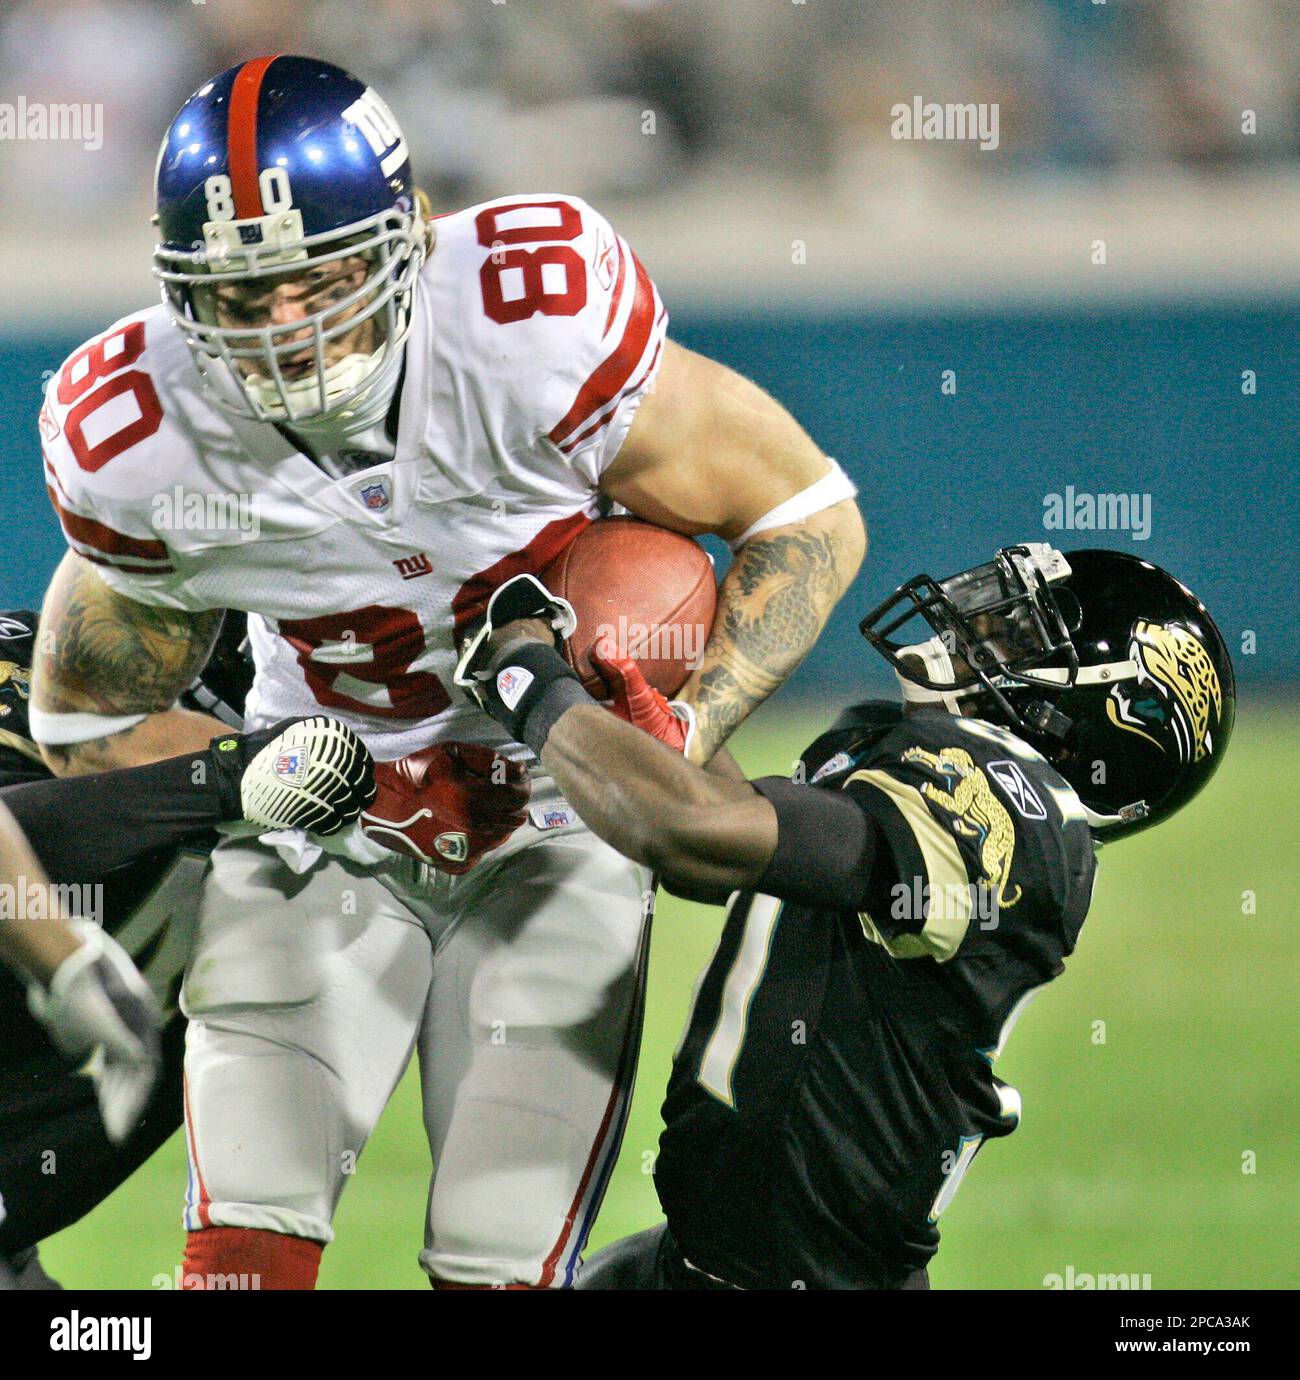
<point>412,567</point>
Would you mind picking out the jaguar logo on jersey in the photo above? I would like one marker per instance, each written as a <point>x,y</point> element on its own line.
<point>291,766</point>
<point>511,684</point>
<point>452,846</point>
<point>1183,699</point>
<point>1018,790</point>
<point>376,496</point>
<point>976,813</point>
<point>17,676</point>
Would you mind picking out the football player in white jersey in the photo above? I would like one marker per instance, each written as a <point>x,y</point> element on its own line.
<point>354,420</point>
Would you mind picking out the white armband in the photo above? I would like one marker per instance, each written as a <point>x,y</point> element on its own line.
<point>832,488</point>
<point>56,730</point>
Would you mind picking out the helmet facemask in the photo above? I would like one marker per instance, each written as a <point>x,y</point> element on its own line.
<point>294,371</point>
<point>996,626</point>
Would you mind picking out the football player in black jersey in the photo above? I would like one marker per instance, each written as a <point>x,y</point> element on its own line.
<point>892,908</point>
<point>133,844</point>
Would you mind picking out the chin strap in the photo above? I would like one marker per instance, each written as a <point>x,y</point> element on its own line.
<point>340,379</point>
<point>937,665</point>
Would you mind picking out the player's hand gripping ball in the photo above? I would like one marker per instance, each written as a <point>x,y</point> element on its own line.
<point>633,699</point>
<point>314,774</point>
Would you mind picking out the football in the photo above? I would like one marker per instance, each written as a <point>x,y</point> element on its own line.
<point>651,590</point>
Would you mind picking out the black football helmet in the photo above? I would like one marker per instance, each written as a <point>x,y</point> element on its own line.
<point>1102,661</point>
<point>223,685</point>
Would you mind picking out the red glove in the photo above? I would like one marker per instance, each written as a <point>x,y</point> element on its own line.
<point>446,805</point>
<point>637,702</point>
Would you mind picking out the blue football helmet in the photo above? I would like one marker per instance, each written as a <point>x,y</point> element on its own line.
<point>286,173</point>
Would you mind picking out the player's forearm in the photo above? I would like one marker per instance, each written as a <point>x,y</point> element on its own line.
<point>697,830</point>
<point>773,604</point>
<point>104,657</point>
<point>152,740</point>
<point>85,828</point>
<point>35,946</point>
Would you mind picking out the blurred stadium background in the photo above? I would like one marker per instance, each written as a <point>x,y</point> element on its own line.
<point>1116,291</point>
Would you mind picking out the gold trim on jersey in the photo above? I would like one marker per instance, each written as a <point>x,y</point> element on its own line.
<point>21,744</point>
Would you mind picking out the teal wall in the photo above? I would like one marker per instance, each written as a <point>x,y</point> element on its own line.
<point>1139,399</point>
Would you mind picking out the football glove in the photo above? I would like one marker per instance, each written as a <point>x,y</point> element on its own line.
<point>635,700</point>
<point>523,597</point>
<point>312,774</point>
<point>98,1003</point>
<point>448,804</point>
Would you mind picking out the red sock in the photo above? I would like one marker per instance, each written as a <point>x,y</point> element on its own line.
<point>242,1258</point>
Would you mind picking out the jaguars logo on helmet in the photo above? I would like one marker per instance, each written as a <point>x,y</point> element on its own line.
<point>1184,699</point>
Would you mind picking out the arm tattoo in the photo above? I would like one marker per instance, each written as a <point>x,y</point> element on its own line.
<point>102,653</point>
<point>771,607</point>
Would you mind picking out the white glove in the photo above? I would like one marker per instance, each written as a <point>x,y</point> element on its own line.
<point>315,775</point>
<point>98,1003</point>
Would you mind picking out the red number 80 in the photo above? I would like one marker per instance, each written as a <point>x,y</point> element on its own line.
<point>75,386</point>
<point>531,264</point>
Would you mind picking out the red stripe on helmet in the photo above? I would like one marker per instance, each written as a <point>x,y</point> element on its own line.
<point>241,137</point>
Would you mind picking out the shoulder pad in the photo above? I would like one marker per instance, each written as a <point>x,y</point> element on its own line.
<point>555,313</point>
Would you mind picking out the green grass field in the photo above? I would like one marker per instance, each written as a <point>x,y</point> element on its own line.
<point>1130,1154</point>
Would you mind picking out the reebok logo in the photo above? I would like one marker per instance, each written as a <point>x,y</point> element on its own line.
<point>1015,786</point>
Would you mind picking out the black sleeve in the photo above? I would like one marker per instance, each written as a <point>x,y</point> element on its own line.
<point>84,826</point>
<point>826,845</point>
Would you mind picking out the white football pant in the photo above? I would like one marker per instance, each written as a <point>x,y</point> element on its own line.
<point>520,984</point>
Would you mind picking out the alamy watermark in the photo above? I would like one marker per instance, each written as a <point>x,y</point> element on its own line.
<point>187,510</point>
<point>180,1278</point>
<point>954,122</point>
<point>1084,1280</point>
<point>27,899</point>
<point>1080,511</point>
<point>918,900</point>
<point>68,122</point>
<point>656,641</point>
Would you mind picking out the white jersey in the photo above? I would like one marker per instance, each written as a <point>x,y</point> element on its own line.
<point>536,333</point>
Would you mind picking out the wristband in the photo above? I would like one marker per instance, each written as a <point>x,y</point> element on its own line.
<point>528,687</point>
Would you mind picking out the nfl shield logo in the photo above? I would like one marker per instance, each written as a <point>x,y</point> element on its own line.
<point>291,766</point>
<point>375,496</point>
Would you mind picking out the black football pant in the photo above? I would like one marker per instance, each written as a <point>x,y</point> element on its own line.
<point>652,1260</point>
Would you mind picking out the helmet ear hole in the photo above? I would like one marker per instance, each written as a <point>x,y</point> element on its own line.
<point>1070,608</point>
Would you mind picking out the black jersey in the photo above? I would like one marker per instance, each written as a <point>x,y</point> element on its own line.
<point>836,1076</point>
<point>56,1161</point>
